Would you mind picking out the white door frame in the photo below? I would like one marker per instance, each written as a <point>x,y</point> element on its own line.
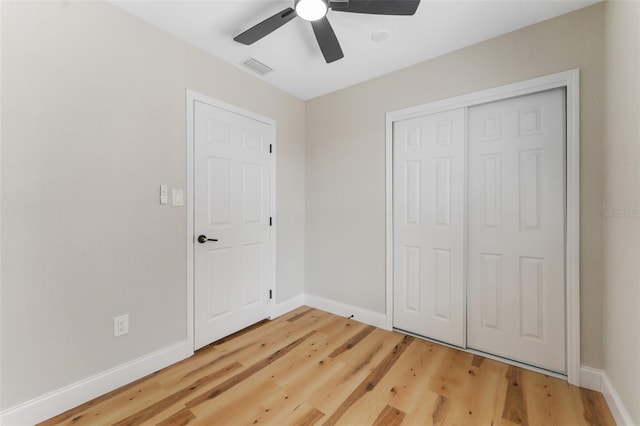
<point>192,97</point>
<point>569,80</point>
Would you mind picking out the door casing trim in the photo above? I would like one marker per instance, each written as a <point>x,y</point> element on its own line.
<point>570,80</point>
<point>191,98</point>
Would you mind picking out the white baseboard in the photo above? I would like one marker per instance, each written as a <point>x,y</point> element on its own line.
<point>597,380</point>
<point>287,306</point>
<point>359,314</point>
<point>620,413</point>
<point>591,378</point>
<point>68,397</point>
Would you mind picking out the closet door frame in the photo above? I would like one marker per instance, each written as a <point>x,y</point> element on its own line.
<point>570,80</point>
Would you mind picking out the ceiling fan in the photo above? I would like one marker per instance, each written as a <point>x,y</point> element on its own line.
<point>315,11</point>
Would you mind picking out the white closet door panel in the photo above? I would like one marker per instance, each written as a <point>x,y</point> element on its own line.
<point>428,164</point>
<point>516,231</point>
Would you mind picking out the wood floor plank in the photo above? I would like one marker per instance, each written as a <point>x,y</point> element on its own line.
<point>432,410</point>
<point>241,405</point>
<point>311,418</point>
<point>402,387</point>
<point>472,406</point>
<point>502,386</point>
<point>281,372</point>
<point>595,409</point>
<point>310,359</point>
<point>544,395</point>
<point>243,375</point>
<point>282,408</point>
<point>515,407</point>
<point>253,345</point>
<point>305,369</point>
<point>284,371</point>
<point>440,410</point>
<point>257,345</point>
<point>311,367</point>
<point>451,378</point>
<point>181,418</point>
<point>356,365</point>
<point>166,403</point>
<point>477,361</point>
<point>299,315</point>
<point>201,367</point>
<point>313,380</point>
<point>349,344</point>
<point>371,381</point>
<point>389,416</point>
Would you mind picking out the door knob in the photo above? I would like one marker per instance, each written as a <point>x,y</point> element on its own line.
<point>203,239</point>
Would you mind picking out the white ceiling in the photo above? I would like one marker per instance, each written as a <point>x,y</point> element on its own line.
<point>438,27</point>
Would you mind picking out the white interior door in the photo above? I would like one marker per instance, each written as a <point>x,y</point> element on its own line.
<point>516,229</point>
<point>428,191</point>
<point>232,204</point>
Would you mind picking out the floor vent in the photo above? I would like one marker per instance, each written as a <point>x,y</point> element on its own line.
<point>256,66</point>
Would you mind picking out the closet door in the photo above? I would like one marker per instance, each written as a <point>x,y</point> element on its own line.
<point>516,229</point>
<point>428,188</point>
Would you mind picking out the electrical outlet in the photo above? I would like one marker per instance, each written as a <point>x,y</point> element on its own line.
<point>120,325</point>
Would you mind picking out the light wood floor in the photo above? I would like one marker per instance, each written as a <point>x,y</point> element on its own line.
<point>310,367</point>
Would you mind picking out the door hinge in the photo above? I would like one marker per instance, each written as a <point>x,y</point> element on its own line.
<point>270,148</point>
<point>270,294</point>
<point>271,221</point>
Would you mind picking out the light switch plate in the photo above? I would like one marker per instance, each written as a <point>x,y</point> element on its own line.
<point>164,194</point>
<point>177,197</point>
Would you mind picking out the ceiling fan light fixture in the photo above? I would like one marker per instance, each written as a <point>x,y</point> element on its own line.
<point>311,10</point>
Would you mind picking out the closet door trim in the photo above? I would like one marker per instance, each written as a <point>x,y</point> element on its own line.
<point>567,79</point>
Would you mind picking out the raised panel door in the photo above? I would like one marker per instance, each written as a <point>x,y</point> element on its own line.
<point>428,176</point>
<point>516,229</point>
<point>232,199</point>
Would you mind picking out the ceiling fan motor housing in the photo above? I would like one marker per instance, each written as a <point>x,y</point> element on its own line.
<point>311,10</point>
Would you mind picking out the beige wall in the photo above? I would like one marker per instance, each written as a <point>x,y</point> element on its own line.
<point>346,157</point>
<point>622,203</point>
<point>93,121</point>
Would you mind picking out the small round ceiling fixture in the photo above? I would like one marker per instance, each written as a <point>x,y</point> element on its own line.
<point>311,10</point>
<point>379,36</point>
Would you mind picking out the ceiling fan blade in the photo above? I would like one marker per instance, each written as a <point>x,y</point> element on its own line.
<point>266,27</point>
<point>376,7</point>
<point>327,40</point>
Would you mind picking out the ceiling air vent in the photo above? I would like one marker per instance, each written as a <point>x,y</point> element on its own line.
<point>256,66</point>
